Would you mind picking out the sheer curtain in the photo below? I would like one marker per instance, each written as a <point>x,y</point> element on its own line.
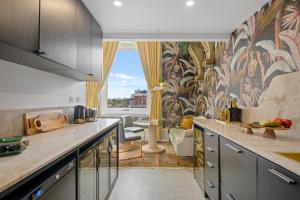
<point>150,53</point>
<point>93,88</point>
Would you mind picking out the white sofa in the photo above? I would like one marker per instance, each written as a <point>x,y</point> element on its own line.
<point>182,141</point>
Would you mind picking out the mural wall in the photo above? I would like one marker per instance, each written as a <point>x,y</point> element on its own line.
<point>182,70</point>
<point>265,46</point>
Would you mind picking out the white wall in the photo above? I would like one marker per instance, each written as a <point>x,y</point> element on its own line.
<point>22,87</point>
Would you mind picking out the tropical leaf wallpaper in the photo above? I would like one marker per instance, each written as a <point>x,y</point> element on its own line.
<point>265,46</point>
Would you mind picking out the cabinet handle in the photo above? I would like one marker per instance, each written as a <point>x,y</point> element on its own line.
<point>210,149</point>
<point>229,197</point>
<point>210,185</point>
<point>209,134</point>
<point>40,52</point>
<point>234,148</point>
<point>210,164</point>
<point>281,176</point>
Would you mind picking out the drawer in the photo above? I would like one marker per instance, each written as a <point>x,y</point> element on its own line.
<point>212,179</point>
<point>211,145</point>
<point>226,194</point>
<point>276,183</point>
<point>212,189</point>
<point>238,169</point>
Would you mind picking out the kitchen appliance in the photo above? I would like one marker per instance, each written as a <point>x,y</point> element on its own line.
<point>199,160</point>
<point>83,114</point>
<point>57,182</point>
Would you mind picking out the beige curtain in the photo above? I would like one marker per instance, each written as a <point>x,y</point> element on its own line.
<point>150,53</point>
<point>93,88</point>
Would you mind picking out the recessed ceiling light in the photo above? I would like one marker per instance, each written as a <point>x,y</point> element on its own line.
<point>118,3</point>
<point>190,3</point>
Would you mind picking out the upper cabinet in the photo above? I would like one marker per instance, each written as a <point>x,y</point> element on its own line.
<point>84,39</point>
<point>19,23</point>
<point>58,38</point>
<point>96,50</point>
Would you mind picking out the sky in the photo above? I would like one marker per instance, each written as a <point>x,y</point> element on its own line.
<point>126,75</point>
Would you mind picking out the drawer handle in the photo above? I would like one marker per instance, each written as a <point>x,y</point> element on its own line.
<point>234,148</point>
<point>210,149</point>
<point>210,164</point>
<point>229,197</point>
<point>209,134</point>
<point>210,185</point>
<point>281,176</point>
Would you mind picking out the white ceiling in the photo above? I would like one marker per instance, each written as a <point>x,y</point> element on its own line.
<point>171,18</point>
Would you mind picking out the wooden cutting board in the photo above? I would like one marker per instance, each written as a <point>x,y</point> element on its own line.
<point>44,121</point>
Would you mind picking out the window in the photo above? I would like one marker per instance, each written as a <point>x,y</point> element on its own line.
<point>126,89</point>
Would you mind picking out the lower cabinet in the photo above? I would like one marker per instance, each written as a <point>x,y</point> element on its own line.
<point>211,152</point>
<point>226,194</point>
<point>238,170</point>
<point>276,183</point>
<point>98,167</point>
<point>113,156</point>
<point>103,170</point>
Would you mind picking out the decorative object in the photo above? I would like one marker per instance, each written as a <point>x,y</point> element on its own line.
<point>43,121</point>
<point>268,133</point>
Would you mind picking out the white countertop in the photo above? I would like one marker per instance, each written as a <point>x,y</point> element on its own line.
<point>264,147</point>
<point>45,148</point>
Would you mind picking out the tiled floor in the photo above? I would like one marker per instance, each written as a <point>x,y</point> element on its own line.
<point>156,184</point>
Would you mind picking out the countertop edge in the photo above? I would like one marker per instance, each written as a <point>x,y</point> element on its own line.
<point>285,165</point>
<point>59,155</point>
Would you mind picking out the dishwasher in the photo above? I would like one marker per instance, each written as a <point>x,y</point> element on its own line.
<point>56,183</point>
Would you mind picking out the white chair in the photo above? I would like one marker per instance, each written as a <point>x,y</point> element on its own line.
<point>182,141</point>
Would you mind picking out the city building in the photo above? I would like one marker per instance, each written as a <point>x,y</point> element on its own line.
<point>138,99</point>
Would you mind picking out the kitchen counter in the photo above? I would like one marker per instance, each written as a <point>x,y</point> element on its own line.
<point>45,148</point>
<point>263,147</point>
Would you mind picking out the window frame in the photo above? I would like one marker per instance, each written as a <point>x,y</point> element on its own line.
<point>106,111</point>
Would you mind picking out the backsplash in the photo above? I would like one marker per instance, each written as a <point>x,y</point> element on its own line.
<point>12,122</point>
<point>265,46</point>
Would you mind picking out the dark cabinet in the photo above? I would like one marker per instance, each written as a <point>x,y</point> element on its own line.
<point>96,50</point>
<point>103,171</point>
<point>211,144</point>
<point>19,23</point>
<point>84,39</point>
<point>226,194</point>
<point>98,168</point>
<point>113,156</point>
<point>58,33</point>
<point>88,175</point>
<point>276,183</point>
<point>57,36</point>
<point>238,170</point>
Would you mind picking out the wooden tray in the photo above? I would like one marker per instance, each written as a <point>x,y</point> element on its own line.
<point>44,121</point>
<point>268,133</point>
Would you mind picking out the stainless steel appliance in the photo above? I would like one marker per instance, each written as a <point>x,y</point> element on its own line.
<point>57,182</point>
<point>199,160</point>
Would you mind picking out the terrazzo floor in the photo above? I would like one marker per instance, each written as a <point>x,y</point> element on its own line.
<point>156,184</point>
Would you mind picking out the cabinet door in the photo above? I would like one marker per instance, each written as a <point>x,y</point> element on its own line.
<point>103,171</point>
<point>88,175</point>
<point>58,36</point>
<point>84,39</point>
<point>96,50</point>
<point>19,23</point>
<point>113,142</point>
<point>238,170</point>
<point>276,183</point>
